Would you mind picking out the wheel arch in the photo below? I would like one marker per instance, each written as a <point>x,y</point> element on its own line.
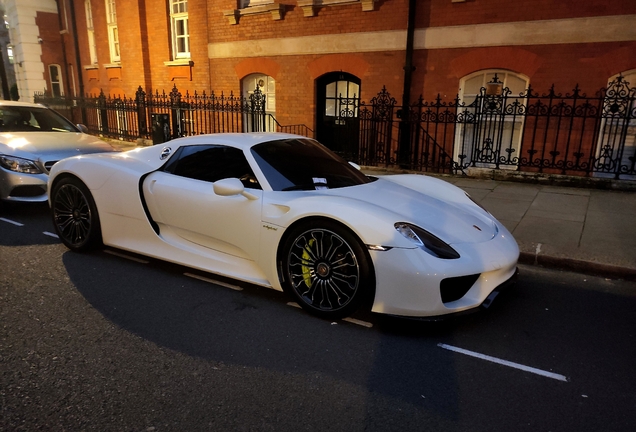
<point>57,179</point>
<point>313,219</point>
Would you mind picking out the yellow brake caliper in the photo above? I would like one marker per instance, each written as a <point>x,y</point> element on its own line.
<point>306,270</point>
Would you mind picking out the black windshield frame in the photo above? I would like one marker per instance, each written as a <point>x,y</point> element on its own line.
<point>304,164</point>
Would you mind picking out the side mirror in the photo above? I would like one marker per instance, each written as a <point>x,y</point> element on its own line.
<point>355,165</point>
<point>231,187</point>
<point>82,128</point>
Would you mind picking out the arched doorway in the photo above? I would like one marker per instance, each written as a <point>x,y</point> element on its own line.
<point>337,104</point>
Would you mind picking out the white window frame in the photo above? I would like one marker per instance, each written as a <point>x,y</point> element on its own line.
<point>113,32</point>
<point>92,47</point>
<point>60,83</point>
<point>179,17</point>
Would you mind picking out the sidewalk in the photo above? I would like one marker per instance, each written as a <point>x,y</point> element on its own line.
<point>586,230</point>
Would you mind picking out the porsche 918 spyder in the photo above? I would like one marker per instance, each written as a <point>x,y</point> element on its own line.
<point>283,211</point>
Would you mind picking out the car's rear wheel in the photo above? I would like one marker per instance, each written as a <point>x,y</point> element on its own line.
<point>75,215</point>
<point>326,269</point>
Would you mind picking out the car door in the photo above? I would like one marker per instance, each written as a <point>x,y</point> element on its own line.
<point>181,201</point>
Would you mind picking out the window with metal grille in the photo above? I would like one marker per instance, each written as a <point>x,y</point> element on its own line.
<point>491,121</point>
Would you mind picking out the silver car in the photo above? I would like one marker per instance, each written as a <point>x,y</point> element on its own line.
<point>32,139</point>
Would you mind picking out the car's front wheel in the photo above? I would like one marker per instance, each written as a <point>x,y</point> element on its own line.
<point>326,269</point>
<point>75,215</point>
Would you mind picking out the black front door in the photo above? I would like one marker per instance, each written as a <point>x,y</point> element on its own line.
<point>337,123</point>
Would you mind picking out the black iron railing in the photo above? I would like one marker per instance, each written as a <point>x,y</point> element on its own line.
<point>571,134</point>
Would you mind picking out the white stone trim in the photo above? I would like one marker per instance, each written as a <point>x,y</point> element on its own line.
<point>615,28</point>
<point>27,51</point>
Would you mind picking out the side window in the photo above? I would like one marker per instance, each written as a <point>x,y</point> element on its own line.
<point>212,163</point>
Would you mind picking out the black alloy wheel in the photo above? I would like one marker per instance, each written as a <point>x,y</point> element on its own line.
<point>326,269</point>
<point>75,215</point>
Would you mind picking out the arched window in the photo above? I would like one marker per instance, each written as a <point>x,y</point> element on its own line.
<point>490,125</point>
<point>267,87</point>
<point>616,146</point>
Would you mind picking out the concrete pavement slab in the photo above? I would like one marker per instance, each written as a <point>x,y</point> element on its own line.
<point>516,191</point>
<point>562,234</point>
<point>508,209</point>
<point>559,206</point>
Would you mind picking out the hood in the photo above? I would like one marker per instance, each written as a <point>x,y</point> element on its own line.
<point>452,221</point>
<point>50,146</point>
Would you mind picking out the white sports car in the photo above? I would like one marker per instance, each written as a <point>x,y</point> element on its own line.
<point>282,211</point>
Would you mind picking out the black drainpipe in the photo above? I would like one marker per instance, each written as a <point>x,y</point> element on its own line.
<point>78,61</point>
<point>60,21</point>
<point>404,148</point>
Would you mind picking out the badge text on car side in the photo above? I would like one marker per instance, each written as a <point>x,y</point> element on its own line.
<point>165,152</point>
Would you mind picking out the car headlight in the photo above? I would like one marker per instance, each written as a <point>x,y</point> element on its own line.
<point>426,241</point>
<point>20,165</point>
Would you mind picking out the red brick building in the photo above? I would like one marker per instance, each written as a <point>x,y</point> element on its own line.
<point>303,53</point>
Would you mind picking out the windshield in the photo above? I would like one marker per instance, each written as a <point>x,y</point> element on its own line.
<point>304,164</point>
<point>33,119</point>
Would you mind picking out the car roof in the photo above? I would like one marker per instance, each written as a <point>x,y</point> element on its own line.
<point>20,104</point>
<point>239,140</point>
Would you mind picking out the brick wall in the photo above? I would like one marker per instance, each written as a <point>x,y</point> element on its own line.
<point>434,13</point>
<point>144,28</point>
<point>48,28</point>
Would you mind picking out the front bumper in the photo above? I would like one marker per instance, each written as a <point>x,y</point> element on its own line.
<point>22,187</point>
<point>408,281</point>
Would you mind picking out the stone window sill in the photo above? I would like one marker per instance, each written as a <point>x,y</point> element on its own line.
<point>276,10</point>
<point>179,62</point>
<point>309,6</point>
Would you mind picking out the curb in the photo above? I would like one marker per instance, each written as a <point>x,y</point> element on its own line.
<point>578,266</point>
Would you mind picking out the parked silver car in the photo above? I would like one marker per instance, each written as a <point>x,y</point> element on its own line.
<point>32,139</point>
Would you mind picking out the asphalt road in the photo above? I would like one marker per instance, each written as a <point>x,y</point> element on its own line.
<point>105,343</point>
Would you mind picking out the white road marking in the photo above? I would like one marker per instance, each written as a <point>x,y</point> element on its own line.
<point>351,320</point>
<point>12,222</point>
<point>358,322</point>
<point>50,234</point>
<point>212,281</point>
<point>504,362</point>
<point>128,257</point>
